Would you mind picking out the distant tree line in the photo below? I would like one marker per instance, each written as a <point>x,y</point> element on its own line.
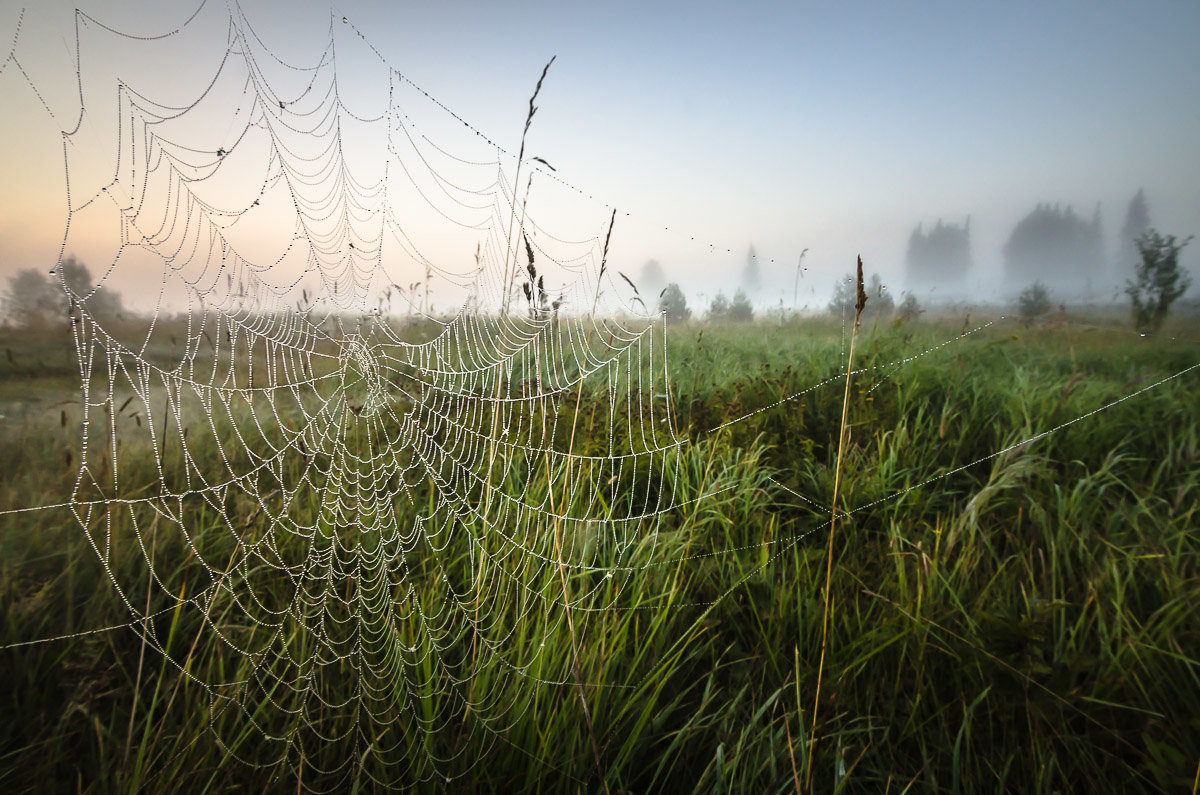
<point>673,305</point>
<point>1052,253</point>
<point>1052,244</point>
<point>739,310</point>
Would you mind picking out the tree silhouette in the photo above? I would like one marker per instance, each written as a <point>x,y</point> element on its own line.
<point>1137,222</point>
<point>652,279</point>
<point>740,310</point>
<point>1158,280</point>
<point>940,256</point>
<point>673,304</point>
<point>910,308</point>
<point>1034,302</point>
<point>751,277</point>
<point>32,299</point>
<point>845,296</point>
<point>1055,246</point>
<point>102,303</point>
<point>718,310</point>
<point>881,301</point>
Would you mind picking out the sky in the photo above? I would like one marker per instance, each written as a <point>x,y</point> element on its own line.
<point>828,127</point>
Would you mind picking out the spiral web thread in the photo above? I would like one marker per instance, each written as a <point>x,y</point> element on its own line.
<point>369,521</point>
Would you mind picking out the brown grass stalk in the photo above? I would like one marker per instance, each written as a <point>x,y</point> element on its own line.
<point>509,261</point>
<point>833,511</point>
<point>510,247</point>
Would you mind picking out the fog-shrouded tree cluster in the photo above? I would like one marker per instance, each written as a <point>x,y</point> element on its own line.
<point>34,299</point>
<point>910,308</point>
<point>740,309</point>
<point>1055,246</point>
<point>940,256</point>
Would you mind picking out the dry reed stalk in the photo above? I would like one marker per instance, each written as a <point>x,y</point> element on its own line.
<point>509,257</point>
<point>860,302</point>
<point>508,261</point>
<point>578,673</point>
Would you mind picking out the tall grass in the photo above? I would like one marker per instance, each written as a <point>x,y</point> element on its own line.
<point>1026,623</point>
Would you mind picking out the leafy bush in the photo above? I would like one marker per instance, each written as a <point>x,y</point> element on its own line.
<point>1158,280</point>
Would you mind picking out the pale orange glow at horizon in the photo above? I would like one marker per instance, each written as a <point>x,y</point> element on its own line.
<point>835,131</point>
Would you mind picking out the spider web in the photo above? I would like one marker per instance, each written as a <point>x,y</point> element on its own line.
<point>390,516</point>
<point>369,520</point>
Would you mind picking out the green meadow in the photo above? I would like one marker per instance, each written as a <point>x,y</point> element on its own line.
<point>1012,600</point>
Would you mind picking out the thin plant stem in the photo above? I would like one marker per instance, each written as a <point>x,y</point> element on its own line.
<point>509,260</point>
<point>576,668</point>
<point>837,480</point>
<point>791,752</point>
<point>510,247</point>
<point>137,680</point>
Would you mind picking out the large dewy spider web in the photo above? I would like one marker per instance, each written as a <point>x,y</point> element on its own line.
<point>390,517</point>
<point>349,472</point>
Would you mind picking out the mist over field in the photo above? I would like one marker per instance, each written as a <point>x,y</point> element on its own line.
<point>837,132</point>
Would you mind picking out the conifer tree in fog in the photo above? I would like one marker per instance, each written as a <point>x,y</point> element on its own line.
<point>1137,222</point>
<point>751,277</point>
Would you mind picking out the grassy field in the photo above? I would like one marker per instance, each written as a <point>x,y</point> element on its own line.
<point>1010,609</point>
